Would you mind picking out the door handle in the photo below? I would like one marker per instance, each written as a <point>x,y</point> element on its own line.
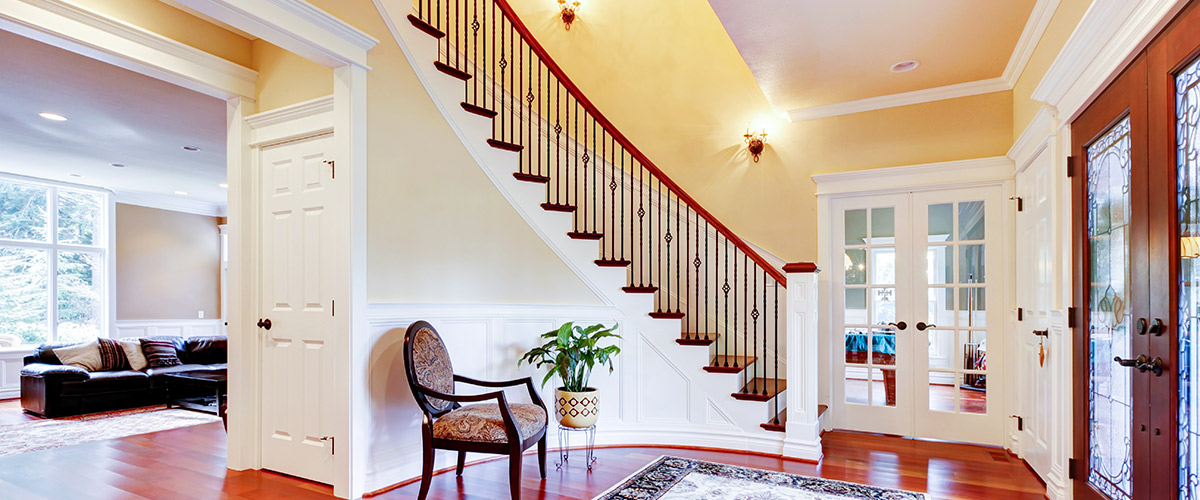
<point>1132,363</point>
<point>1155,365</point>
<point>1158,328</point>
<point>899,326</point>
<point>1042,333</point>
<point>921,326</point>
<point>1141,326</point>
<point>265,324</point>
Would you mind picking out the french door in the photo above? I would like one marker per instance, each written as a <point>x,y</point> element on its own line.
<point>916,316</point>
<point>1137,224</point>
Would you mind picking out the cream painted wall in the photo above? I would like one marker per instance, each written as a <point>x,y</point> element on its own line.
<point>667,74</point>
<point>438,230</point>
<point>168,264</point>
<point>285,78</point>
<point>1062,24</point>
<point>156,16</point>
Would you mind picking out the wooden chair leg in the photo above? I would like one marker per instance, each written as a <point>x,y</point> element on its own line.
<point>542,455</point>
<point>426,464</point>
<point>462,459</point>
<point>514,474</point>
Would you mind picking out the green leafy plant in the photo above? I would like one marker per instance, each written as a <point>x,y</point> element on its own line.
<point>571,352</point>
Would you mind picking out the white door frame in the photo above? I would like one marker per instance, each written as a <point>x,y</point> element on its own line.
<point>296,26</point>
<point>995,171</point>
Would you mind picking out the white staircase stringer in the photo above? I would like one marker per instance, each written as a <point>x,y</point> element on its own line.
<point>705,389</point>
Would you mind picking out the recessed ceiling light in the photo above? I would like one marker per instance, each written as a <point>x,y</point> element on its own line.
<point>75,175</point>
<point>181,193</point>
<point>117,165</point>
<point>904,66</point>
<point>191,148</point>
<point>55,117</point>
<point>223,185</point>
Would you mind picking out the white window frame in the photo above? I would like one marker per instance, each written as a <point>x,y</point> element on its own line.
<point>105,239</point>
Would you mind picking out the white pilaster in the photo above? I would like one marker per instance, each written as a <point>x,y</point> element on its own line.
<point>803,439</point>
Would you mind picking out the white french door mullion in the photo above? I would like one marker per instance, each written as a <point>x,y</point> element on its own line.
<point>52,265</point>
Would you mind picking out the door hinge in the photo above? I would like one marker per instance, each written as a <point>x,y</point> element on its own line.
<point>1070,317</point>
<point>1070,166</point>
<point>332,169</point>
<point>332,444</point>
<point>1020,422</point>
<point>1070,468</point>
<point>1020,203</point>
<point>1020,314</point>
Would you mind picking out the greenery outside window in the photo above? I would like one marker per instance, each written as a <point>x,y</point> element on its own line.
<point>54,262</point>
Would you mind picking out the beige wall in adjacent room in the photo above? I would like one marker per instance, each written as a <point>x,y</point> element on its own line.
<point>168,264</point>
<point>1066,17</point>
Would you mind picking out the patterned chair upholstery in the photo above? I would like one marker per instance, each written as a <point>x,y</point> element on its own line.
<point>491,425</point>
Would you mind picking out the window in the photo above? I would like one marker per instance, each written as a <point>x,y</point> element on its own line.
<point>53,263</point>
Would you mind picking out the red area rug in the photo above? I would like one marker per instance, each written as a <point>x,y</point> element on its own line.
<point>44,434</point>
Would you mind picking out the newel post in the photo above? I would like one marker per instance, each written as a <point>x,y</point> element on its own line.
<point>803,438</point>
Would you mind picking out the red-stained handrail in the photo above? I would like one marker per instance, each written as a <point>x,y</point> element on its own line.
<point>561,75</point>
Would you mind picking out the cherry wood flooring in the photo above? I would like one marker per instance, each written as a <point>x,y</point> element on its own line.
<point>189,463</point>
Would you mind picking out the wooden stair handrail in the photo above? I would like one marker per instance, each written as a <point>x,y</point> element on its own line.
<point>628,145</point>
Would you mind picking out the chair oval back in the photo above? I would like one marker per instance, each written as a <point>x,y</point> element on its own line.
<point>427,364</point>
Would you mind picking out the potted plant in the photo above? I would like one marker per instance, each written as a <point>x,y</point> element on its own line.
<point>571,352</point>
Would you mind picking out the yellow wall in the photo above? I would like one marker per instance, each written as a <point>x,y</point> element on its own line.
<point>285,78</point>
<point>438,230</point>
<point>178,25</point>
<point>168,264</point>
<point>668,76</point>
<point>1062,24</point>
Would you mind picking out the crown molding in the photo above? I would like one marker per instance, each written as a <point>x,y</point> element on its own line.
<point>978,171</point>
<point>311,107</point>
<point>1035,27</point>
<point>1110,33</point>
<point>1035,138</point>
<point>172,203</point>
<point>75,28</point>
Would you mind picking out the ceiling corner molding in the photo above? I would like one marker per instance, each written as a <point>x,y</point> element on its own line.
<point>977,171</point>
<point>1108,35</point>
<point>1035,27</point>
<point>72,27</point>
<point>294,25</point>
<point>903,99</point>
<point>172,203</point>
<point>1036,136</point>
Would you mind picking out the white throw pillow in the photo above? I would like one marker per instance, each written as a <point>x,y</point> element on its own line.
<point>85,355</point>
<point>133,353</point>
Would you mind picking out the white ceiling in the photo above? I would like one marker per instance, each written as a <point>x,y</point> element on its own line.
<point>812,53</point>
<point>113,116</point>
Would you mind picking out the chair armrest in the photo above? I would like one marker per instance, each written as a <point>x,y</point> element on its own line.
<point>54,371</point>
<point>527,381</point>
<point>510,422</point>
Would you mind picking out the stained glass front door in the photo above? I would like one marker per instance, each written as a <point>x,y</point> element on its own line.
<point>1188,164</point>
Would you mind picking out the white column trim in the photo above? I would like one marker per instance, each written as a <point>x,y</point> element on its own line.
<point>803,436</point>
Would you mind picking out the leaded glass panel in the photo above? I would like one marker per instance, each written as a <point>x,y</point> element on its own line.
<point>1109,398</point>
<point>1188,136</point>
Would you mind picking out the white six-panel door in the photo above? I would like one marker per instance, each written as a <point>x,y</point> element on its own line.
<point>1037,355</point>
<point>300,356</point>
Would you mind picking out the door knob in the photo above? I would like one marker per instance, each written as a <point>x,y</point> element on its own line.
<point>1042,333</point>
<point>899,326</point>
<point>921,326</point>
<point>265,324</point>
<point>1155,365</point>
<point>1132,363</point>
<point>1158,328</point>
<point>1141,326</point>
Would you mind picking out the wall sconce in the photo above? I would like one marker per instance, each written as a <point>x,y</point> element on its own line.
<point>756,141</point>
<point>568,12</point>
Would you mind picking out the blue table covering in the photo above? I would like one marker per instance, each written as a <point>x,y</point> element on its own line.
<point>884,343</point>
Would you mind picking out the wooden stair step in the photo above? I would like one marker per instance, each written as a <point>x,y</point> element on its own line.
<point>777,424</point>
<point>729,364</point>
<point>520,176</point>
<point>754,390</point>
<point>507,146</point>
<point>613,263</point>
<point>821,410</point>
<point>452,71</point>
<point>667,315</point>
<point>426,27</point>
<point>639,289</point>
<point>695,339</point>
<point>554,207</point>
<point>479,110</point>
<point>581,235</point>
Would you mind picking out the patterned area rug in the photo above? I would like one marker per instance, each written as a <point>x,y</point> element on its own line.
<point>673,478</point>
<point>37,435</point>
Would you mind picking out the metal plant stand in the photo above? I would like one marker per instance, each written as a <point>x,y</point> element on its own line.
<point>564,444</point>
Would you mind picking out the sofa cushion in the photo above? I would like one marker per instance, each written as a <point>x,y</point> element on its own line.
<point>160,353</point>
<point>204,350</point>
<point>45,353</point>
<point>164,370</point>
<point>85,355</point>
<point>133,353</point>
<point>62,372</point>
<point>102,382</point>
<point>112,356</point>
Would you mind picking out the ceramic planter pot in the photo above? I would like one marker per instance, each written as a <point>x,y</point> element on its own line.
<point>578,410</point>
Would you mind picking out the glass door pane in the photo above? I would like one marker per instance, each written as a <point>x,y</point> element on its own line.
<point>1109,397</point>
<point>1188,162</point>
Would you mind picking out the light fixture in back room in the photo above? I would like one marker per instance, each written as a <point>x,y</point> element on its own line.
<point>117,165</point>
<point>905,66</point>
<point>54,117</point>
<point>191,149</point>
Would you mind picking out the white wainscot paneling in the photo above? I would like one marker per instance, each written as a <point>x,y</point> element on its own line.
<point>11,361</point>
<point>169,327</point>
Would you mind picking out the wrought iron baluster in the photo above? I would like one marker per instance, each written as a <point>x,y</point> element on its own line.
<point>725,289</point>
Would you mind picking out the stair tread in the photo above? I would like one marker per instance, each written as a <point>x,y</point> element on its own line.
<point>777,424</point>
<point>584,235</point>
<point>612,263</point>
<point>478,110</point>
<point>667,315</point>
<point>725,359</point>
<point>452,71</point>
<point>640,289</point>
<point>521,176</point>
<point>754,390</point>
<point>697,341</point>
<point>554,207</point>
<point>426,27</point>
<point>507,146</point>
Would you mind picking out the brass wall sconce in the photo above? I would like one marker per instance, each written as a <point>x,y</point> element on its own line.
<point>756,141</point>
<point>568,12</point>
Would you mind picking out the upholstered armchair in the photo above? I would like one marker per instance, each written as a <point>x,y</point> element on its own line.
<point>496,426</point>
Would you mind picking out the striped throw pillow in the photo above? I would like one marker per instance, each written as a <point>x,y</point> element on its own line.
<point>112,356</point>
<point>160,353</point>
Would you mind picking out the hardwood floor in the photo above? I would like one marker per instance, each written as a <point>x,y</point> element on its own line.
<point>189,463</point>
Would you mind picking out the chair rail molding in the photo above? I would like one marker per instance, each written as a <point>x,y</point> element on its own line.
<point>168,327</point>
